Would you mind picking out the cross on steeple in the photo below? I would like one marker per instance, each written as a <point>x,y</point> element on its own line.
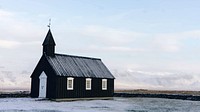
<point>49,25</point>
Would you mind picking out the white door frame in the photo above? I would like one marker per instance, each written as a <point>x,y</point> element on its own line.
<point>43,85</point>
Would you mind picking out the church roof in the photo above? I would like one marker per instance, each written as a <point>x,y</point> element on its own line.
<point>78,66</point>
<point>49,39</point>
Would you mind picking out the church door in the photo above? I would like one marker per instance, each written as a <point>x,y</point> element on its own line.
<point>43,85</point>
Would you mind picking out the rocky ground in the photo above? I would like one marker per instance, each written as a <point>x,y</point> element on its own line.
<point>183,95</point>
<point>14,94</point>
<point>170,92</point>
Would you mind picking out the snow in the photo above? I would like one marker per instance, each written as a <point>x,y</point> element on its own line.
<point>115,105</point>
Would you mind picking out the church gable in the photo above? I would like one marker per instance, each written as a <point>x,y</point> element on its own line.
<point>42,66</point>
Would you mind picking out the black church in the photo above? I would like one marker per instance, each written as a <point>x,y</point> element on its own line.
<point>58,76</point>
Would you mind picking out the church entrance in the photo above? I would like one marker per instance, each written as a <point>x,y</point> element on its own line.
<point>43,85</point>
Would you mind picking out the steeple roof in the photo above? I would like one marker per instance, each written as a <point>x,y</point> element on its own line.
<point>49,39</point>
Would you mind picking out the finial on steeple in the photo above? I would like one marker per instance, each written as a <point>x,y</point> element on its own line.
<point>49,25</point>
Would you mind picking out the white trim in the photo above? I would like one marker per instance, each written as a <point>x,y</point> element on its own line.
<point>43,85</point>
<point>70,87</point>
<point>88,81</point>
<point>104,84</point>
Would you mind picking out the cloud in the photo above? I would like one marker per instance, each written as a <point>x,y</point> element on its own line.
<point>4,14</point>
<point>25,72</point>
<point>103,39</point>
<point>8,44</point>
<point>124,40</point>
<point>174,42</point>
<point>110,36</point>
<point>116,49</point>
<point>15,28</point>
<point>167,44</point>
<point>14,80</point>
<point>1,67</point>
<point>20,45</point>
<point>122,15</point>
<point>120,46</point>
<point>155,80</point>
<point>7,78</point>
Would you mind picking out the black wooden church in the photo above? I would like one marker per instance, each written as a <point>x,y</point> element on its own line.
<point>67,76</point>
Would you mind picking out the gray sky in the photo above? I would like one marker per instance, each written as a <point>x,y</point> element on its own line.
<point>146,44</point>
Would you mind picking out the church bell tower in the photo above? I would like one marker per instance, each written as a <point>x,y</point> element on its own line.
<point>49,44</point>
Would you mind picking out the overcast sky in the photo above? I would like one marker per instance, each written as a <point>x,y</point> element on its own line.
<point>147,44</point>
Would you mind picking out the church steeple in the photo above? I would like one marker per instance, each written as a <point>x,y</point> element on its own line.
<point>49,44</point>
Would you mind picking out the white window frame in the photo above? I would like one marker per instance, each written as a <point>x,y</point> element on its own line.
<point>104,84</point>
<point>90,83</point>
<point>72,85</point>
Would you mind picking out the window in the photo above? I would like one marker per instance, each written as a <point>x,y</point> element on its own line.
<point>88,83</point>
<point>104,84</point>
<point>70,83</point>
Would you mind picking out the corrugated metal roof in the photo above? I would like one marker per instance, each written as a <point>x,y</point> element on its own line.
<point>78,66</point>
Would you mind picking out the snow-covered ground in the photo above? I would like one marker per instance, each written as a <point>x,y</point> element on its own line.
<point>115,105</point>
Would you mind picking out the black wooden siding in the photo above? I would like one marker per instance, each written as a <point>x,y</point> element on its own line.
<point>57,85</point>
<point>79,90</point>
<point>43,65</point>
<point>34,87</point>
